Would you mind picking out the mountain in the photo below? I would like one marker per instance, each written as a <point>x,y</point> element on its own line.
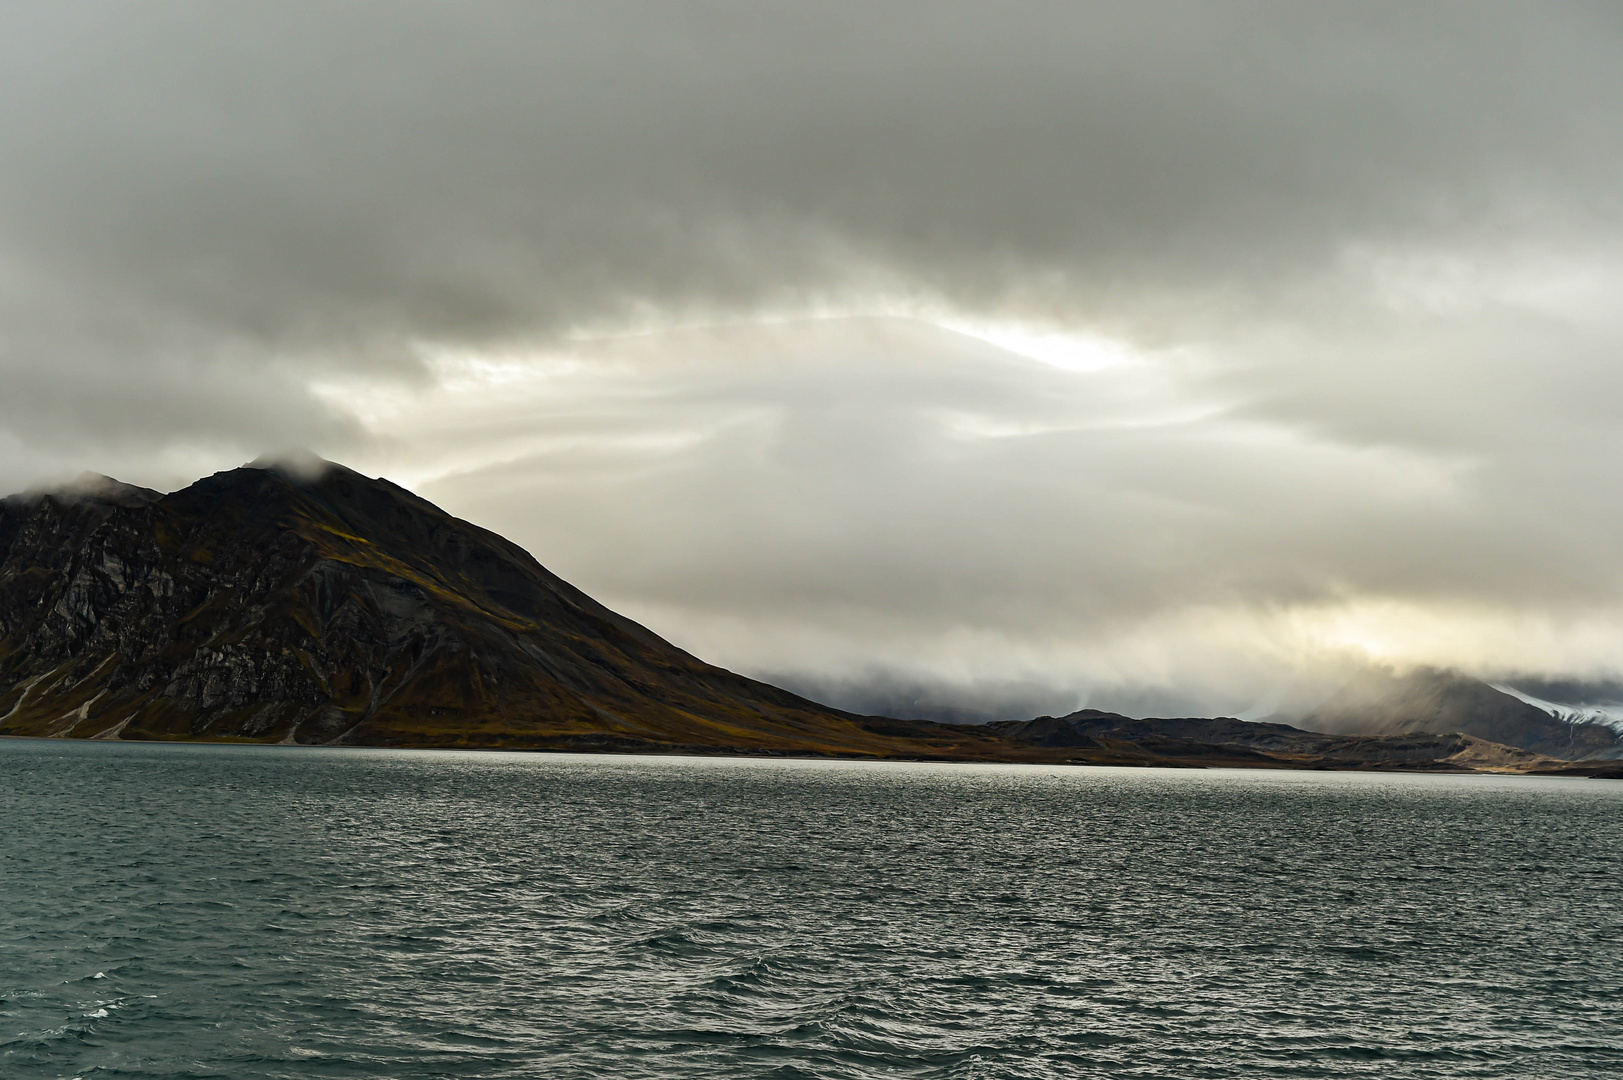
<point>1440,702</point>
<point>312,605</point>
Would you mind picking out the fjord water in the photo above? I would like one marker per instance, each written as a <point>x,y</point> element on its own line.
<point>248,912</point>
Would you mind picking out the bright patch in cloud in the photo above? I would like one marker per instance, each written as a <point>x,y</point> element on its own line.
<point>1067,350</point>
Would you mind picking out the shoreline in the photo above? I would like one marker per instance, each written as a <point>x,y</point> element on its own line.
<point>1578,770</point>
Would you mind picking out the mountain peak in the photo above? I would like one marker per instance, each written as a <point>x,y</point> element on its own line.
<point>88,487</point>
<point>298,464</point>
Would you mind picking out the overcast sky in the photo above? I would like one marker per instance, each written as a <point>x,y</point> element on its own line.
<point>1153,355</point>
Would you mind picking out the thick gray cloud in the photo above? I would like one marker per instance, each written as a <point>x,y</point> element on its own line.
<point>1352,268</point>
<point>311,173</point>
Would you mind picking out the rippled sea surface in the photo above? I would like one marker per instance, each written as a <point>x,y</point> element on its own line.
<point>247,912</point>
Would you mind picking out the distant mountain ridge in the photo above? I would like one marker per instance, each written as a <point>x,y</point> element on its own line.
<point>1238,740</point>
<point>1438,702</point>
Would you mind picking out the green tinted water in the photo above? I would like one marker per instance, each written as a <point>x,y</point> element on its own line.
<point>254,912</point>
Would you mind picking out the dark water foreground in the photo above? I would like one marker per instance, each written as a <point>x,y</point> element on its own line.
<point>193,911</point>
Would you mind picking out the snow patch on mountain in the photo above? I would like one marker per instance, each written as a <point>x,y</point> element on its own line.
<point>1609,714</point>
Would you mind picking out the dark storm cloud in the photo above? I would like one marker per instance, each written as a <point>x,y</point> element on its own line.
<point>351,174</point>
<point>1365,256</point>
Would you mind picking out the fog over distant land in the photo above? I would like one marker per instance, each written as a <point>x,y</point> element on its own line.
<point>998,357</point>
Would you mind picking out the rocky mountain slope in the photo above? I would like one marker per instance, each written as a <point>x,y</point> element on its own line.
<point>323,607</point>
<point>263,605</point>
